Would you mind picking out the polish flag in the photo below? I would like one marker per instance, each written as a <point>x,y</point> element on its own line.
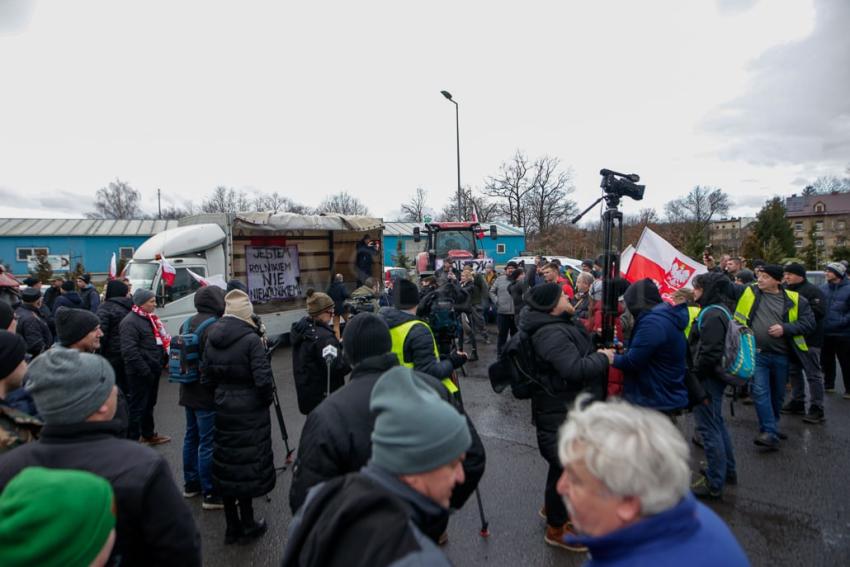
<point>658,260</point>
<point>168,272</point>
<point>626,259</point>
<point>113,267</point>
<point>479,234</point>
<point>200,279</point>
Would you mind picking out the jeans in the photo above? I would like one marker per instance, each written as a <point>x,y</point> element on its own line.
<point>506,326</point>
<point>198,449</point>
<point>815,380</point>
<point>834,346</point>
<point>556,510</point>
<point>719,454</point>
<point>768,389</point>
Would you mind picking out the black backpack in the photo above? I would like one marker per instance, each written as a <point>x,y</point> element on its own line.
<point>517,367</point>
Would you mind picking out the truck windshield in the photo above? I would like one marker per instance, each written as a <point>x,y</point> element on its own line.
<point>142,275</point>
<point>446,240</point>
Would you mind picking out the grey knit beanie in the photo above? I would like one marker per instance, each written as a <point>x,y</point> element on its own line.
<point>142,296</point>
<point>415,430</point>
<point>68,385</point>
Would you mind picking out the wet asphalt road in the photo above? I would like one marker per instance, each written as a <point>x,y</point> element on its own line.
<point>789,508</point>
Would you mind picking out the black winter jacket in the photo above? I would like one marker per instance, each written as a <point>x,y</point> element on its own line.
<point>236,365</point>
<point>209,301</point>
<point>111,312</point>
<point>50,297</point>
<point>143,358</point>
<point>90,298</point>
<point>373,520</point>
<point>34,329</point>
<point>339,293</point>
<point>419,345</point>
<point>309,338</point>
<point>707,340</point>
<point>68,299</point>
<point>817,303</point>
<point>154,525</point>
<point>567,364</point>
<point>336,438</point>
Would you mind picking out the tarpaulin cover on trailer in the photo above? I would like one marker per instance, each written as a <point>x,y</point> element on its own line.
<point>292,221</point>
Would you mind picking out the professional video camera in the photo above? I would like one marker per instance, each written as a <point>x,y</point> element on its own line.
<point>615,186</point>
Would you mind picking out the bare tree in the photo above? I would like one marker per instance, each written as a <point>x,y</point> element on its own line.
<point>342,203</point>
<point>116,201</point>
<point>226,200</point>
<point>176,212</point>
<point>277,203</point>
<point>546,202</point>
<point>510,188</point>
<point>486,210</point>
<point>416,208</point>
<point>694,212</point>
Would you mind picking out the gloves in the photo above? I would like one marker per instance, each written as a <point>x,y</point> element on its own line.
<point>457,359</point>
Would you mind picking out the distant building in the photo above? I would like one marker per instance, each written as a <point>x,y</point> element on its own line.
<point>510,241</point>
<point>728,235</point>
<point>68,241</point>
<point>829,215</point>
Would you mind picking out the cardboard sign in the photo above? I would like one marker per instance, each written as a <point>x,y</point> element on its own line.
<point>58,262</point>
<point>273,273</point>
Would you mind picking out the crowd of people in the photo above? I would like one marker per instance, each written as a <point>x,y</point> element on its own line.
<point>386,438</point>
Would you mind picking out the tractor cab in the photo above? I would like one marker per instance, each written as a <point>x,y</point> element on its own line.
<point>457,241</point>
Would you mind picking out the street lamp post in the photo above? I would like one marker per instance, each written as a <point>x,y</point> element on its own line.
<point>448,95</point>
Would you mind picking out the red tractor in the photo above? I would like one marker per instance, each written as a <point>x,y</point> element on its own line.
<point>457,241</point>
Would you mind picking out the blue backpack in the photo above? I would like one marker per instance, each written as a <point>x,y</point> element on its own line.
<point>739,350</point>
<point>185,357</point>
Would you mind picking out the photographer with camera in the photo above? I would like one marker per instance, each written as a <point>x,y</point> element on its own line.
<point>566,365</point>
<point>367,250</point>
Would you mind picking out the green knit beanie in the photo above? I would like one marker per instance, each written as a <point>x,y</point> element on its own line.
<point>415,431</point>
<point>54,517</point>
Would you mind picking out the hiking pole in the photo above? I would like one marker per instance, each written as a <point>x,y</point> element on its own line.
<point>485,525</point>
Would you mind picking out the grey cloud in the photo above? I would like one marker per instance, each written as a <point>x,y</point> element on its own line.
<point>58,200</point>
<point>798,108</point>
<point>15,15</point>
<point>750,200</point>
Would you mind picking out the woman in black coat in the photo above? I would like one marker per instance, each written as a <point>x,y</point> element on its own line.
<point>236,365</point>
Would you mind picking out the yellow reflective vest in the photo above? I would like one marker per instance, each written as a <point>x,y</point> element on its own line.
<point>748,299</point>
<point>693,313</point>
<point>399,335</point>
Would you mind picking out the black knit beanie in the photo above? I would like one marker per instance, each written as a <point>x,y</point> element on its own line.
<point>116,288</point>
<point>796,269</point>
<point>74,324</point>
<point>773,270</point>
<point>68,285</point>
<point>366,335</point>
<point>406,294</point>
<point>543,297</point>
<point>13,349</point>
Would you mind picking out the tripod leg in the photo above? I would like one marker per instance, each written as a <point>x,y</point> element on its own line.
<point>279,412</point>
<point>485,525</point>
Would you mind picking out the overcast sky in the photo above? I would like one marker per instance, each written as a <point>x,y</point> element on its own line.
<point>311,98</point>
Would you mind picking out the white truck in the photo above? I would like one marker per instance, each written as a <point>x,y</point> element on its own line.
<point>278,256</point>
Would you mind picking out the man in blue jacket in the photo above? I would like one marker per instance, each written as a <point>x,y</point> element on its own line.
<point>625,482</point>
<point>836,341</point>
<point>654,363</point>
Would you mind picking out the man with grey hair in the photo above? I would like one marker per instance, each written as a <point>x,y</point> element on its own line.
<point>625,483</point>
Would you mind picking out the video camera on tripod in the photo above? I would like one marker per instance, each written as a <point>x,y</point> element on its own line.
<point>615,186</point>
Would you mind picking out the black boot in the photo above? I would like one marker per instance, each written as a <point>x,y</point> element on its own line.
<point>234,526</point>
<point>253,531</point>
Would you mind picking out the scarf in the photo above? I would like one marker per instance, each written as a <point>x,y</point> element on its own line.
<point>159,333</point>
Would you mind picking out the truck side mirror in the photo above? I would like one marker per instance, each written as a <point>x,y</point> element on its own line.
<point>493,234</point>
<point>417,236</point>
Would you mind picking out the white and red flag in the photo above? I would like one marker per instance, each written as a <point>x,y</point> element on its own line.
<point>113,267</point>
<point>198,278</point>
<point>217,280</point>
<point>658,260</point>
<point>168,272</point>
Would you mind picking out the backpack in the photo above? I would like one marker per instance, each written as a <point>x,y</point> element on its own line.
<point>185,357</point>
<point>517,367</point>
<point>739,350</point>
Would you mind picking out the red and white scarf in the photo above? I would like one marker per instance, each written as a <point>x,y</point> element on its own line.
<point>159,333</point>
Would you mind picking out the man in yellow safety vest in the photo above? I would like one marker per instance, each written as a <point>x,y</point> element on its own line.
<point>413,341</point>
<point>779,319</point>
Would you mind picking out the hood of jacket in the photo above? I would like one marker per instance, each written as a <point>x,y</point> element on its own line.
<point>530,320</point>
<point>677,315</point>
<point>73,297</point>
<point>210,299</point>
<point>395,317</point>
<point>125,302</point>
<point>227,331</point>
<point>641,296</point>
<point>716,289</point>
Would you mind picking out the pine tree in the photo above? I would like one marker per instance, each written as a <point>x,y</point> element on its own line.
<point>79,270</point>
<point>771,234</point>
<point>42,271</point>
<point>401,260</point>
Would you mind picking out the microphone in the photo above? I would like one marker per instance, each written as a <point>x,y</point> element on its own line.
<point>329,353</point>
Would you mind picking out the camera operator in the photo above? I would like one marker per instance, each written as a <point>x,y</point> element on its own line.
<point>413,341</point>
<point>567,365</point>
<point>365,297</point>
